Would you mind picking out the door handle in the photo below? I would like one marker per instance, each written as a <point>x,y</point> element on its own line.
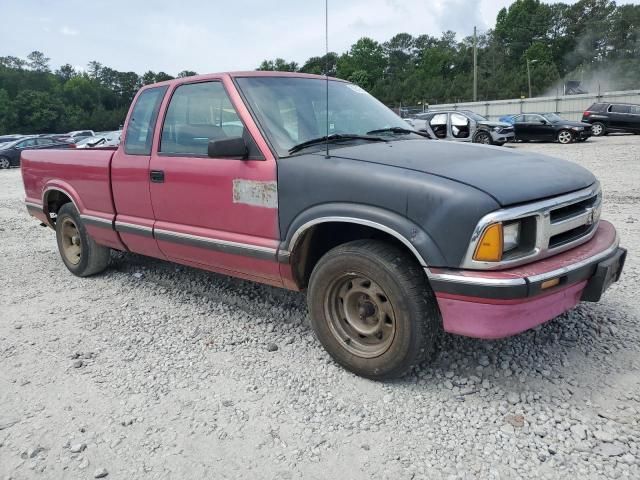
<point>157,176</point>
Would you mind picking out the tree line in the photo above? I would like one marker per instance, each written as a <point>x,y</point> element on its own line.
<point>588,40</point>
<point>594,41</point>
<point>35,99</point>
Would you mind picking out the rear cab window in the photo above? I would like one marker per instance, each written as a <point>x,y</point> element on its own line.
<point>139,136</point>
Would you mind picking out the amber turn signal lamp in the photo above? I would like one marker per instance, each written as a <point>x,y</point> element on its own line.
<point>550,283</point>
<point>489,247</point>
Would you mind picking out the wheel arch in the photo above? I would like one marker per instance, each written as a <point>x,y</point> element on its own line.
<point>320,228</point>
<point>53,198</point>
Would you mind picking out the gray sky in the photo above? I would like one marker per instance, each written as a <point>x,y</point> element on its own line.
<point>215,35</point>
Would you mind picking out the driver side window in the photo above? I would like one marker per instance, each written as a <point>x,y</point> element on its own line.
<point>460,126</point>
<point>199,113</point>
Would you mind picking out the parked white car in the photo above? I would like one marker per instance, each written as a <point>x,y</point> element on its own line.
<point>106,139</point>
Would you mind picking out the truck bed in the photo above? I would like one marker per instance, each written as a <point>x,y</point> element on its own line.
<point>83,174</point>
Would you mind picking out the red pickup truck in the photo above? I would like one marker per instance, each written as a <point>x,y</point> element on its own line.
<point>394,236</point>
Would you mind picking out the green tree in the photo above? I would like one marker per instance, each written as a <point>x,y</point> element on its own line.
<point>37,112</point>
<point>66,72</point>
<point>38,62</point>
<point>279,65</point>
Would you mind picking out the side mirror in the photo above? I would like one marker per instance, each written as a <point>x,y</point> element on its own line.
<point>543,122</point>
<point>228,148</point>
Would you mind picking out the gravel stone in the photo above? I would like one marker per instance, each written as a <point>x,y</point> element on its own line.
<point>77,363</point>
<point>100,473</point>
<point>272,347</point>
<point>513,398</point>
<point>77,448</point>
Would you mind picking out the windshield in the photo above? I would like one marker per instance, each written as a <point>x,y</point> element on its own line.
<point>552,117</point>
<point>293,110</point>
<point>8,145</point>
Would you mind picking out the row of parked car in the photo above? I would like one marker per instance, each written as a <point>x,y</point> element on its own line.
<point>11,146</point>
<point>467,126</point>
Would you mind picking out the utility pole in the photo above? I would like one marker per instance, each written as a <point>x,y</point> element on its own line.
<point>529,77</point>
<point>475,65</point>
<point>529,73</point>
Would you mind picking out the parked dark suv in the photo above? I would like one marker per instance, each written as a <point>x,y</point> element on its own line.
<point>612,117</point>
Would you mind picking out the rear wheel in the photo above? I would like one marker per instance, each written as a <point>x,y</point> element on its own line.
<point>482,137</point>
<point>598,129</point>
<point>4,163</point>
<point>372,309</point>
<point>79,252</point>
<point>565,136</point>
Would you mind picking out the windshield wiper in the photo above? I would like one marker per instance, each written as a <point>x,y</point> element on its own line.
<point>335,137</point>
<point>398,130</point>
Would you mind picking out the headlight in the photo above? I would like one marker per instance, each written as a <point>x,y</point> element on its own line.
<point>496,240</point>
<point>577,128</point>
<point>511,236</point>
<point>497,129</point>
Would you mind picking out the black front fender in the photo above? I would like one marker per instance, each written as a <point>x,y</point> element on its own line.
<point>411,235</point>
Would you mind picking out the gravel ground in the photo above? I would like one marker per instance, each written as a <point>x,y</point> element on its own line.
<point>152,370</point>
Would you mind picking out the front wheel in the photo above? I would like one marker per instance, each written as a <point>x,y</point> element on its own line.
<point>372,309</point>
<point>79,252</point>
<point>482,137</point>
<point>598,129</point>
<point>565,136</point>
<point>4,163</point>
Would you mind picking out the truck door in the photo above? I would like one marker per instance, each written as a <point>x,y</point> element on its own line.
<point>216,213</point>
<point>130,175</point>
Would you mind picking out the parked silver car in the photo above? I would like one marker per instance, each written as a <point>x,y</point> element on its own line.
<point>462,126</point>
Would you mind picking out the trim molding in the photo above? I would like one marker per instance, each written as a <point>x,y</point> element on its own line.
<point>255,251</point>
<point>97,221</point>
<point>125,227</point>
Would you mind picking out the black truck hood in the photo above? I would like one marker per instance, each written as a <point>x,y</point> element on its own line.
<point>507,176</point>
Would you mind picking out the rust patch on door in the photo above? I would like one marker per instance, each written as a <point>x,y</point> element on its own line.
<point>258,194</point>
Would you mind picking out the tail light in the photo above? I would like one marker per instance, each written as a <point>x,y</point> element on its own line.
<point>586,114</point>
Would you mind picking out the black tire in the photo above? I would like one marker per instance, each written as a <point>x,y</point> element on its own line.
<point>416,317</point>
<point>483,137</point>
<point>4,163</point>
<point>600,129</point>
<point>91,257</point>
<point>499,144</point>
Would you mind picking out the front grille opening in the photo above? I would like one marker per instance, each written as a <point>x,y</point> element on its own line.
<point>569,236</point>
<point>572,210</point>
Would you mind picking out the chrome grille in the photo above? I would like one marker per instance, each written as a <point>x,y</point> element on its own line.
<point>561,223</point>
<point>570,223</point>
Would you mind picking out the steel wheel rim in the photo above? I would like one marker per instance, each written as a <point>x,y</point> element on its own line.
<point>596,129</point>
<point>71,241</point>
<point>4,163</point>
<point>564,137</point>
<point>360,315</point>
